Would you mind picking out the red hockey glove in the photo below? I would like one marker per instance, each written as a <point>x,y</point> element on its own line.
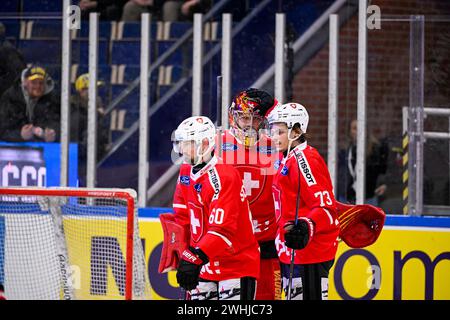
<point>175,242</point>
<point>298,236</point>
<point>2,293</point>
<point>191,263</point>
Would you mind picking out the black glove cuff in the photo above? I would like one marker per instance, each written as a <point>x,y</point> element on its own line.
<point>268,250</point>
<point>200,254</point>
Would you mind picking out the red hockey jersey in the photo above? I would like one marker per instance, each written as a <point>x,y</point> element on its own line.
<point>212,202</point>
<point>317,202</point>
<point>256,167</point>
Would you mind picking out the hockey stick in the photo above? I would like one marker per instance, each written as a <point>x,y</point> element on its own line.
<point>219,115</point>
<point>297,205</point>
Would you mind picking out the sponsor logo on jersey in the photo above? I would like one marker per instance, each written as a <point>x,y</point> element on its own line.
<point>276,164</point>
<point>305,169</point>
<point>284,171</point>
<point>198,187</point>
<point>215,182</point>
<point>185,180</point>
<point>229,147</point>
<point>264,149</point>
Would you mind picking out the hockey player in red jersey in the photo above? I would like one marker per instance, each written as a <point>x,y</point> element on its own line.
<point>305,207</point>
<point>222,259</point>
<point>250,151</point>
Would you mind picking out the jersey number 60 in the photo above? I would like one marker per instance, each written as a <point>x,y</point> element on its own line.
<point>216,216</point>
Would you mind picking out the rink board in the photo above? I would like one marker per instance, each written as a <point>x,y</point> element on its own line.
<point>407,262</point>
<point>410,261</point>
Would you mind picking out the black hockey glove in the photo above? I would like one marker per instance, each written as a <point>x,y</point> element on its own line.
<point>189,268</point>
<point>298,236</point>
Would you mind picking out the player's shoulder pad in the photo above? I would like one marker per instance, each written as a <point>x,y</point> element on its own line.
<point>227,171</point>
<point>184,178</point>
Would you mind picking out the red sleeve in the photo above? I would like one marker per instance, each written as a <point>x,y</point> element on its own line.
<point>180,206</point>
<point>316,191</point>
<point>223,216</point>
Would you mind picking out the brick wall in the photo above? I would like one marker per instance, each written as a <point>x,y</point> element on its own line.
<point>387,73</point>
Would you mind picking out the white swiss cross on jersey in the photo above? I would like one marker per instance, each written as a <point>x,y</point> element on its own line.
<point>253,179</point>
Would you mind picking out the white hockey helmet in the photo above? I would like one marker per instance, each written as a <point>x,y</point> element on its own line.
<point>195,129</point>
<point>290,113</point>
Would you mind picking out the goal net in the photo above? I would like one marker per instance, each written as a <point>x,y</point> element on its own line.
<point>71,243</point>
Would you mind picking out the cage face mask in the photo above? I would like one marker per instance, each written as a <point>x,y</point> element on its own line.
<point>247,127</point>
<point>247,118</point>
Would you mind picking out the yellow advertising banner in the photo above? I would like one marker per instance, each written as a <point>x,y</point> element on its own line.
<point>405,263</point>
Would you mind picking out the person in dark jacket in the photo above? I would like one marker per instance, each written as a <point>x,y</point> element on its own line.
<point>11,62</point>
<point>30,108</point>
<point>79,120</point>
<point>376,166</point>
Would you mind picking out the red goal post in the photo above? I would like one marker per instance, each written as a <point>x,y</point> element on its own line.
<point>86,228</point>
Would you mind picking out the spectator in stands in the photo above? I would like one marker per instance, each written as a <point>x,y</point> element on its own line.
<point>11,62</point>
<point>79,118</point>
<point>110,10</point>
<point>183,10</point>
<point>133,9</point>
<point>376,166</point>
<point>30,108</point>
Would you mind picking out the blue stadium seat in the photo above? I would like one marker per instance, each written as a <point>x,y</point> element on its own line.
<point>48,51</point>
<point>130,103</point>
<point>131,72</point>
<point>162,90</point>
<point>125,52</point>
<point>176,74</point>
<point>44,6</point>
<point>46,29</point>
<point>181,56</point>
<point>80,51</point>
<point>10,6</point>
<point>41,51</point>
<point>12,28</point>
<point>104,30</point>
<point>132,30</point>
<point>178,29</point>
<point>128,52</point>
<point>53,28</point>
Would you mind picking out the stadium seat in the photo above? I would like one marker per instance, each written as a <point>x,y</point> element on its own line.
<point>182,56</point>
<point>44,29</point>
<point>42,51</point>
<point>177,29</point>
<point>41,6</point>
<point>170,74</point>
<point>48,51</point>
<point>10,6</point>
<point>163,89</point>
<point>127,52</point>
<point>80,51</point>
<point>130,72</point>
<point>12,28</point>
<point>53,29</point>
<point>104,30</point>
<point>132,30</point>
<point>130,103</point>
